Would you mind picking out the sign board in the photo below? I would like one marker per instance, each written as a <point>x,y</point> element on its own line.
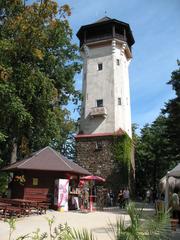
<point>61,194</point>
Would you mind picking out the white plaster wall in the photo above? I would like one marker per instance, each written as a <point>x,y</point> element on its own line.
<point>121,90</point>
<point>109,84</point>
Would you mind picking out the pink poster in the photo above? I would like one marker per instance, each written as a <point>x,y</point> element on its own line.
<point>61,194</point>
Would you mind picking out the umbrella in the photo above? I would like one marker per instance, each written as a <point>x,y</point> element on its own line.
<point>93,178</point>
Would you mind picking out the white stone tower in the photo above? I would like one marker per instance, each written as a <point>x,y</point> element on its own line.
<point>105,113</point>
<point>106,51</point>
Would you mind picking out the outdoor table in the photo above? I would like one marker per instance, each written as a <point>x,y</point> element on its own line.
<point>8,208</point>
<point>4,204</point>
<point>22,203</point>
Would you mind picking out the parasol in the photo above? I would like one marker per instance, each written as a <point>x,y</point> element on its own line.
<point>93,178</point>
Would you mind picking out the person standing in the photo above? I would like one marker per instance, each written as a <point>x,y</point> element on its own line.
<point>126,196</point>
<point>120,198</point>
<point>175,205</point>
<point>111,194</point>
<point>148,196</point>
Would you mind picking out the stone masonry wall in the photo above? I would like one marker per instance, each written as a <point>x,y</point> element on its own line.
<point>95,155</point>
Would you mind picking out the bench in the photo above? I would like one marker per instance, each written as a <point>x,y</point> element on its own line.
<point>12,210</point>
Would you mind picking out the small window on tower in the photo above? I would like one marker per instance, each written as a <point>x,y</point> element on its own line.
<point>99,103</point>
<point>100,66</point>
<point>117,62</point>
<point>98,145</point>
<point>119,101</point>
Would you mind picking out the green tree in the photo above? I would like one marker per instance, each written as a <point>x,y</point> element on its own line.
<point>172,110</point>
<point>152,157</point>
<point>158,146</point>
<point>37,66</point>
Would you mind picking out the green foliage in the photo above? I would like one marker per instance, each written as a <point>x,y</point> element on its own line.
<point>159,227</point>
<point>61,232</point>
<point>157,149</point>
<point>122,152</point>
<point>172,111</point>
<point>154,228</point>
<point>132,231</point>
<point>151,155</point>
<point>122,149</point>
<point>3,183</point>
<point>82,235</point>
<point>38,63</point>
<point>12,226</point>
<point>37,235</point>
<point>2,137</point>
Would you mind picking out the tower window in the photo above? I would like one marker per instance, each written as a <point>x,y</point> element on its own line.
<point>98,145</point>
<point>100,66</point>
<point>99,103</point>
<point>119,101</point>
<point>117,62</point>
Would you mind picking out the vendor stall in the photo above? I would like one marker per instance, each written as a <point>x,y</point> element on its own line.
<point>175,172</point>
<point>37,176</point>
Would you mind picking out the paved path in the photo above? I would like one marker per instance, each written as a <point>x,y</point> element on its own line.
<point>176,234</point>
<point>97,222</point>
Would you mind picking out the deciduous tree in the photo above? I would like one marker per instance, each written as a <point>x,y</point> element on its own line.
<point>37,66</point>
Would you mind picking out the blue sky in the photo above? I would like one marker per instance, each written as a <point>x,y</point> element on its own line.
<point>156,28</point>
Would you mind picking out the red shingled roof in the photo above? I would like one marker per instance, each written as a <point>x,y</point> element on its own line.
<point>47,159</point>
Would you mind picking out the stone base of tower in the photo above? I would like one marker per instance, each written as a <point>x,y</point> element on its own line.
<point>95,153</point>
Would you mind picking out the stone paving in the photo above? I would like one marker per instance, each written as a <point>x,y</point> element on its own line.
<point>100,223</point>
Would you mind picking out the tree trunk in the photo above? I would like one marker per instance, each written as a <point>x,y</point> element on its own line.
<point>14,151</point>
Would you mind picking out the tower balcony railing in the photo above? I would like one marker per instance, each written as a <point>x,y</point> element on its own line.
<point>98,112</point>
<point>105,37</point>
